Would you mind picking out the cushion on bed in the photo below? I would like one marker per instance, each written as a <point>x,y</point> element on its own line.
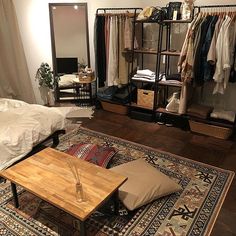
<point>145,184</point>
<point>96,154</point>
<point>7,103</point>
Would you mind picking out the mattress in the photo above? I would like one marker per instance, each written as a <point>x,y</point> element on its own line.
<point>22,126</point>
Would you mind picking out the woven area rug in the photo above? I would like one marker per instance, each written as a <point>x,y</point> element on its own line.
<point>192,211</point>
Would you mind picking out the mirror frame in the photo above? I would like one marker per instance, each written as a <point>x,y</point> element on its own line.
<point>53,46</point>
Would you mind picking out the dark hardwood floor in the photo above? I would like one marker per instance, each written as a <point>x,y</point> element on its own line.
<point>213,151</point>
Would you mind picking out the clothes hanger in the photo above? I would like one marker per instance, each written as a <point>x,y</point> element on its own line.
<point>234,16</point>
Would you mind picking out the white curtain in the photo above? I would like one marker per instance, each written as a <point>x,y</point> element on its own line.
<point>15,81</point>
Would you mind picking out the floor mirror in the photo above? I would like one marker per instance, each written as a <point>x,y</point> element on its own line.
<point>70,44</point>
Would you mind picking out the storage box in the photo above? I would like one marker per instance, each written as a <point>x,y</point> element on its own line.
<point>116,108</point>
<point>145,98</point>
<point>86,77</point>
<point>139,115</point>
<point>210,130</point>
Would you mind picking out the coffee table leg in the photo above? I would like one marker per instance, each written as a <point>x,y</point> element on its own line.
<point>14,192</point>
<point>82,228</point>
<point>116,203</point>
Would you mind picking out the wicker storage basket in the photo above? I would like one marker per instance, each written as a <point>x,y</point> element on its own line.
<point>86,77</point>
<point>210,130</point>
<point>145,98</point>
<point>116,108</point>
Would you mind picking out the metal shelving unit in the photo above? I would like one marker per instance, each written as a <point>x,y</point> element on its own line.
<point>159,52</point>
<point>143,51</point>
<point>168,53</point>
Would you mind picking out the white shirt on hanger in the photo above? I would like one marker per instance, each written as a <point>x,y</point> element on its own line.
<point>219,72</point>
<point>228,52</point>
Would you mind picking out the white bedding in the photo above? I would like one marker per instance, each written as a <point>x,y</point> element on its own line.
<point>22,126</point>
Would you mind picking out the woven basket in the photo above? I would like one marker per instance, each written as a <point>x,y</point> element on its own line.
<point>116,108</point>
<point>210,130</point>
<point>86,77</point>
<point>145,98</point>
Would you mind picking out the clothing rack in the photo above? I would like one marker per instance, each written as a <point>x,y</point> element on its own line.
<point>214,6</point>
<point>223,8</point>
<point>127,12</point>
<point>134,9</point>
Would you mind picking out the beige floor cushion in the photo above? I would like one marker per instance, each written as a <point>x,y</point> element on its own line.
<point>145,184</point>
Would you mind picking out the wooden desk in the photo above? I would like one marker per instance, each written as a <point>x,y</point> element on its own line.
<point>48,176</point>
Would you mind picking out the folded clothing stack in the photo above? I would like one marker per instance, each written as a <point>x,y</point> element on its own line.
<point>223,115</point>
<point>145,75</point>
<point>199,111</point>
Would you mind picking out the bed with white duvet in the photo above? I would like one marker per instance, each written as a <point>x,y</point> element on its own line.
<point>23,126</point>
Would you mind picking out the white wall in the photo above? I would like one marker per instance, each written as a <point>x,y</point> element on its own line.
<point>33,19</point>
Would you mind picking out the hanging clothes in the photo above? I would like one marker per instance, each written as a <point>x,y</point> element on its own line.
<point>221,74</point>
<point>208,68</point>
<point>112,72</point>
<point>107,38</point>
<point>198,60</point>
<point>185,63</point>
<point>128,35</point>
<point>208,51</point>
<point>123,64</point>
<point>211,55</point>
<point>100,49</point>
<point>112,38</point>
<point>232,78</point>
<point>228,56</point>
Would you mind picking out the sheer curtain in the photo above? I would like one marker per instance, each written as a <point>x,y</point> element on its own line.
<point>15,81</point>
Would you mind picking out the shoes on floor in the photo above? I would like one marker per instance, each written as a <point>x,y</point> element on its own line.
<point>169,122</point>
<point>160,122</point>
<point>161,119</point>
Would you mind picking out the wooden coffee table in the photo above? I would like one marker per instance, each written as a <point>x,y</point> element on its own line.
<point>48,176</point>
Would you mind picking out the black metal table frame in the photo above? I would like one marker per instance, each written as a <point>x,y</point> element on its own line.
<point>82,223</point>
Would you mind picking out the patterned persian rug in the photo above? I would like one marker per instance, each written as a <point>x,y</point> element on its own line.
<point>192,211</point>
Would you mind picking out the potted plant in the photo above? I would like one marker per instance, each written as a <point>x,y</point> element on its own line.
<point>47,81</point>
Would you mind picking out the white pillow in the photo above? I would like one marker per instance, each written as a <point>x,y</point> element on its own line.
<point>6,104</point>
<point>66,80</point>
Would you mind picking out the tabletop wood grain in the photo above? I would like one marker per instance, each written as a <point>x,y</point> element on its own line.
<point>48,175</point>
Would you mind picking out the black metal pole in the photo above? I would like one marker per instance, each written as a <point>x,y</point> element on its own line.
<point>14,193</point>
<point>82,228</point>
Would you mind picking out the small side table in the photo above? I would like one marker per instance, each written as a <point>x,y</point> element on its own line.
<point>85,92</point>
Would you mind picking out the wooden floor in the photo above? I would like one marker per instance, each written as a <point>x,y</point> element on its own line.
<point>205,149</point>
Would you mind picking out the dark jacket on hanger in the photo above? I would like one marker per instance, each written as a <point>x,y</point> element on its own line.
<point>198,63</point>
<point>100,49</point>
<point>208,68</point>
<point>232,77</point>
